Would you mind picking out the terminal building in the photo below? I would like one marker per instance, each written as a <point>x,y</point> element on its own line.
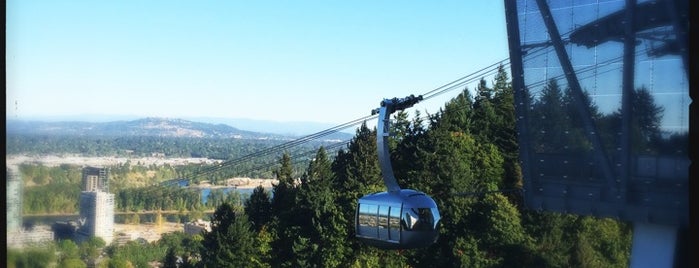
<point>197,227</point>
<point>603,107</point>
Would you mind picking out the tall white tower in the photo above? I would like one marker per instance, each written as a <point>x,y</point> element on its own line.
<point>96,205</point>
<point>97,208</point>
<point>14,199</point>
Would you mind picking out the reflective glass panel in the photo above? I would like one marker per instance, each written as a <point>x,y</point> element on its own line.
<point>596,135</point>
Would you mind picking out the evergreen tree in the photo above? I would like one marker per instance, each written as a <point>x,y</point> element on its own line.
<point>322,227</point>
<point>447,163</point>
<point>458,113</point>
<point>505,134</point>
<point>230,241</point>
<point>576,140</point>
<point>496,225</point>
<point>406,156</point>
<point>566,240</point>
<point>263,246</point>
<point>645,123</point>
<point>170,260</point>
<point>399,129</point>
<point>357,173</point>
<point>485,119</point>
<point>284,190</point>
<point>549,122</point>
<point>258,208</point>
<point>284,218</point>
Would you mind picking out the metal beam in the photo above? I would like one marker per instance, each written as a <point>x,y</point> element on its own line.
<point>388,106</point>
<point>521,93</point>
<point>591,132</point>
<point>627,91</point>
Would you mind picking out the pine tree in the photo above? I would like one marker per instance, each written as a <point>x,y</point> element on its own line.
<point>284,190</point>
<point>399,129</point>
<point>483,117</point>
<point>322,239</point>
<point>645,123</point>
<point>549,120</point>
<point>284,221</point>
<point>576,140</point>
<point>230,241</point>
<point>496,224</point>
<point>258,208</point>
<point>357,174</point>
<point>505,137</point>
<point>457,115</point>
<point>449,161</point>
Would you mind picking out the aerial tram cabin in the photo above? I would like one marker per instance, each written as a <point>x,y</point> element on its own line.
<point>407,219</point>
<point>398,218</point>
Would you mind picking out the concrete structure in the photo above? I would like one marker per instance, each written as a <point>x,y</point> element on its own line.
<point>17,236</point>
<point>97,210</point>
<point>96,205</point>
<point>37,236</point>
<point>14,199</point>
<point>197,227</point>
<point>123,238</point>
<point>95,179</point>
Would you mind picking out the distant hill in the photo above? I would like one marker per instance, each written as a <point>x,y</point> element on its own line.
<point>297,128</point>
<point>160,127</point>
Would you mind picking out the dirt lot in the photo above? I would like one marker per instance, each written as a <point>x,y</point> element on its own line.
<point>56,160</point>
<point>148,231</point>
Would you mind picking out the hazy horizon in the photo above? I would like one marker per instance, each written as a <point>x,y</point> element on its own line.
<point>294,128</point>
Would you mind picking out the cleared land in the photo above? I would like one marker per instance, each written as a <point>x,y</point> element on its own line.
<point>149,231</point>
<point>56,160</point>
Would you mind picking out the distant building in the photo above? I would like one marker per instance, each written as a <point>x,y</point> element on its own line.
<point>18,237</point>
<point>37,236</point>
<point>95,179</point>
<point>97,210</point>
<point>14,199</point>
<point>96,206</point>
<point>123,238</point>
<point>197,227</point>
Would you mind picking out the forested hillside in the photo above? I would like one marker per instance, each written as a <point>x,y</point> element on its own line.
<point>465,157</point>
<point>467,148</point>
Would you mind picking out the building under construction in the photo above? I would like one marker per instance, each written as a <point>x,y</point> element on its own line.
<point>96,205</point>
<point>95,179</point>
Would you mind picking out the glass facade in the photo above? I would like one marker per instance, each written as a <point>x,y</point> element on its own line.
<point>602,101</point>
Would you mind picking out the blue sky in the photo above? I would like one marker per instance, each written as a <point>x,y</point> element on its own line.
<point>319,61</point>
